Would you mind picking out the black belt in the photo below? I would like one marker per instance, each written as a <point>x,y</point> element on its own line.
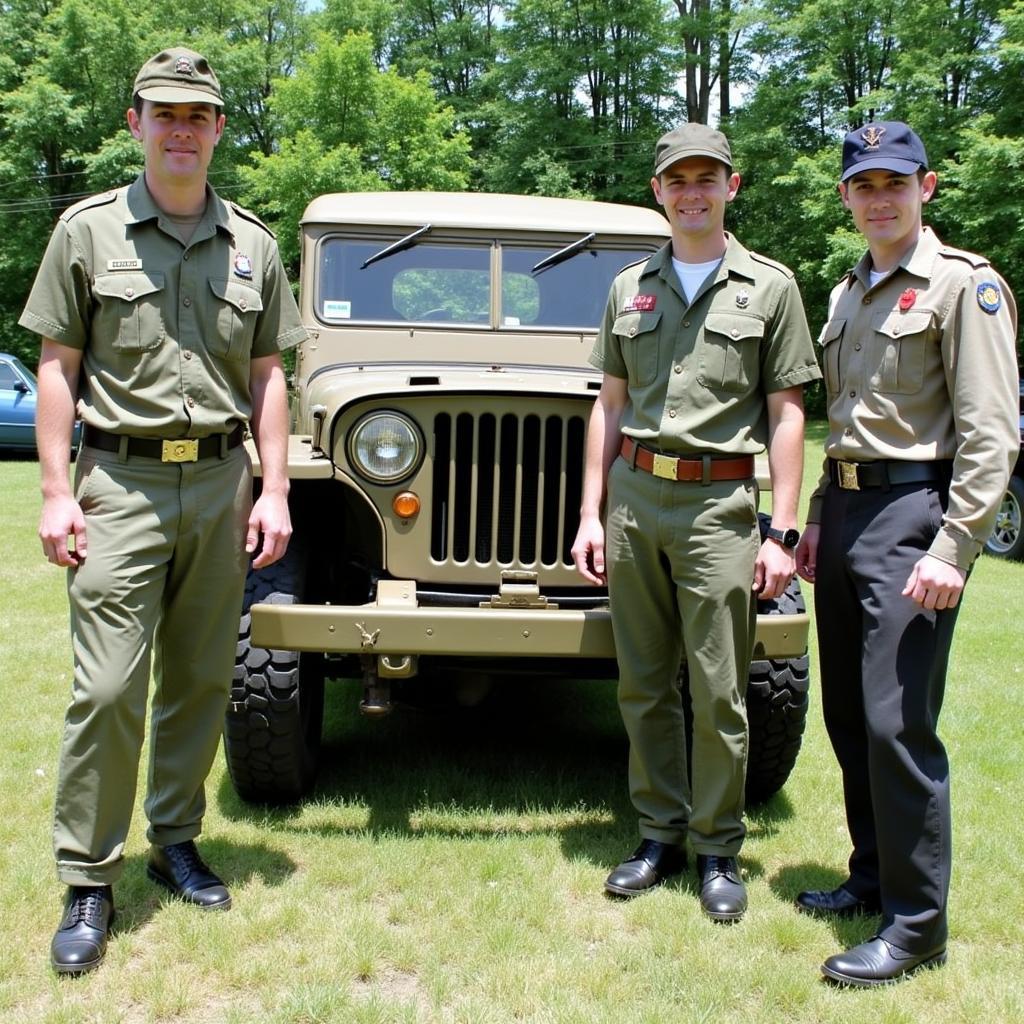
<point>855,476</point>
<point>178,449</point>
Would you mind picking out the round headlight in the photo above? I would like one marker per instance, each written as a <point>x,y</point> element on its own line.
<point>385,447</point>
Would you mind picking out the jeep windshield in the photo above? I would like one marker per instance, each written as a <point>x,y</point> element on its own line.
<point>433,281</point>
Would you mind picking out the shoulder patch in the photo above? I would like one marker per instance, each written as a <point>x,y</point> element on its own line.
<point>101,199</point>
<point>250,216</point>
<point>990,298</point>
<point>774,264</point>
<point>976,261</point>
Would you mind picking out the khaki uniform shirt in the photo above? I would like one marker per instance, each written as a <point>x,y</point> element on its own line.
<point>698,372</point>
<point>922,367</point>
<point>167,330</point>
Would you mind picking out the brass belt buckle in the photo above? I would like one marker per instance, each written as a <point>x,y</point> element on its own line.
<point>664,466</point>
<point>848,476</point>
<point>184,450</point>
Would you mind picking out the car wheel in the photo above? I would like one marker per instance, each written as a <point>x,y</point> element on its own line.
<point>1007,539</point>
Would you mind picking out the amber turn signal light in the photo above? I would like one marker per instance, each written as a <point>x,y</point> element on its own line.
<point>406,504</point>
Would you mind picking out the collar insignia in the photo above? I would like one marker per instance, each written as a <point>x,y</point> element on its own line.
<point>989,296</point>
<point>907,299</point>
<point>743,298</point>
<point>243,265</point>
<point>872,136</point>
<point>640,304</point>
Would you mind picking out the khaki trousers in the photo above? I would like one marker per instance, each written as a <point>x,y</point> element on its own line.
<point>162,582</point>
<point>680,564</point>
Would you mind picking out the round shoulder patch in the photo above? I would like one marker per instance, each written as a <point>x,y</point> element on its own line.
<point>989,296</point>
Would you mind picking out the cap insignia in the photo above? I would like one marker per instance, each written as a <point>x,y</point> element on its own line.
<point>872,136</point>
<point>989,296</point>
<point>183,66</point>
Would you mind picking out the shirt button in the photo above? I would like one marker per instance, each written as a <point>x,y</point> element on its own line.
<point>848,432</point>
<point>190,402</point>
<point>853,394</point>
<point>188,355</point>
<point>895,331</point>
<point>186,303</point>
<point>866,300</point>
<point>243,305</point>
<point>735,333</point>
<point>632,331</point>
<point>686,323</point>
<point>856,347</point>
<point>678,369</point>
<point>185,257</point>
<point>671,414</point>
<point>129,292</point>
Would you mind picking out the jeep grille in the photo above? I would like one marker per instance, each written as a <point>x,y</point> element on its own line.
<point>506,488</point>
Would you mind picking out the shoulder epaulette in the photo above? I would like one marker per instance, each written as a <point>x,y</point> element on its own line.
<point>774,264</point>
<point>250,216</point>
<point>972,258</point>
<point>635,263</point>
<point>100,199</point>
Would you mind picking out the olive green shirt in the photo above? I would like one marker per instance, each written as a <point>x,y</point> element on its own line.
<point>167,330</point>
<point>698,372</point>
<point>924,367</point>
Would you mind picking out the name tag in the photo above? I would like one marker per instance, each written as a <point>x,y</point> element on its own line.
<point>640,304</point>
<point>124,264</point>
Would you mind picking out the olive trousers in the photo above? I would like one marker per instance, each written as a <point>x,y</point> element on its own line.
<point>161,583</point>
<point>680,560</point>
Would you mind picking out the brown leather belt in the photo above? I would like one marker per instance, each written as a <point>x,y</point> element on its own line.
<point>702,469</point>
<point>179,449</point>
<point>856,476</point>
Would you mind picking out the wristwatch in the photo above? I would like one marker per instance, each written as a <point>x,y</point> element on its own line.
<point>787,538</point>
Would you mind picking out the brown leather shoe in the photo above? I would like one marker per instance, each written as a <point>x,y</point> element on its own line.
<point>180,868</point>
<point>647,866</point>
<point>877,962</point>
<point>837,903</point>
<point>80,942</point>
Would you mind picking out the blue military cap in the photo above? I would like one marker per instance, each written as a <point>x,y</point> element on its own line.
<point>883,145</point>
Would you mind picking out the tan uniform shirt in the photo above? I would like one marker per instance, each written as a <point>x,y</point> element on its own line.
<point>167,330</point>
<point>698,372</point>
<point>922,367</point>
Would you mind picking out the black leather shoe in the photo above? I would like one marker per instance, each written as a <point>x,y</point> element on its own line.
<point>80,941</point>
<point>647,866</point>
<point>180,868</point>
<point>723,896</point>
<point>837,903</point>
<point>877,962</point>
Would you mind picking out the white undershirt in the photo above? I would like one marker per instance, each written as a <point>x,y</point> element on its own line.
<point>874,276</point>
<point>693,275</point>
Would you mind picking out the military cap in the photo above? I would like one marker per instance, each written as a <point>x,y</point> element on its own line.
<point>178,75</point>
<point>691,139</point>
<point>883,146</point>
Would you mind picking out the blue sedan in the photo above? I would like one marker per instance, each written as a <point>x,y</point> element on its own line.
<point>18,406</point>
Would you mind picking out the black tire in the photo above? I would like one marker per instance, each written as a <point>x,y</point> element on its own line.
<point>273,725</point>
<point>777,704</point>
<point>1007,539</point>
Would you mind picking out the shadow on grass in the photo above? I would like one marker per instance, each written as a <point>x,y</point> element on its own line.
<point>138,898</point>
<point>536,755</point>
<point>793,879</point>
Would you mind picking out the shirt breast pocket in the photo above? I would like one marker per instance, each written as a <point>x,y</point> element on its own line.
<point>831,342</point>
<point>128,310</point>
<point>638,340</point>
<point>730,352</point>
<point>901,347</point>
<point>236,307</point>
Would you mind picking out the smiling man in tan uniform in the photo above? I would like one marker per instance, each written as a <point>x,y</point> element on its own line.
<point>163,311</point>
<point>921,371</point>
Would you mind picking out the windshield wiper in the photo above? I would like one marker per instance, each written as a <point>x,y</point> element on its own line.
<point>563,254</point>
<point>403,243</point>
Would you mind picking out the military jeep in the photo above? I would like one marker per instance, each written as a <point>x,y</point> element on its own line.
<point>436,465</point>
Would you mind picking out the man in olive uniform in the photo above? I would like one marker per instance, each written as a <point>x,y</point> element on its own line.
<point>162,311</point>
<point>921,373</point>
<point>705,350</point>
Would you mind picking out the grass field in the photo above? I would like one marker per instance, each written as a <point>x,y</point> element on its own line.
<point>449,868</point>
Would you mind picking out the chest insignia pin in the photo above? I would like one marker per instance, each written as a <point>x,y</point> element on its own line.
<point>743,298</point>
<point>907,299</point>
<point>243,265</point>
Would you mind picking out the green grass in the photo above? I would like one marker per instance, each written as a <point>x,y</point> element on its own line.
<point>449,868</point>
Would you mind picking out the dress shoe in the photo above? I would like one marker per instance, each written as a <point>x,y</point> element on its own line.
<point>80,941</point>
<point>723,897</point>
<point>647,866</point>
<point>180,868</point>
<point>877,962</point>
<point>837,903</point>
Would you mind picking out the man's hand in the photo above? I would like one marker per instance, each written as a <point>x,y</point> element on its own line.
<point>60,519</point>
<point>807,553</point>
<point>588,551</point>
<point>773,569</point>
<point>935,584</point>
<point>271,519</point>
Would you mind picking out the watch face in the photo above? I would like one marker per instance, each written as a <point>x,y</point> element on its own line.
<point>791,538</point>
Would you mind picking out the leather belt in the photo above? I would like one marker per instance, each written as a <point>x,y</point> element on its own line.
<point>856,476</point>
<point>702,469</point>
<point>178,449</point>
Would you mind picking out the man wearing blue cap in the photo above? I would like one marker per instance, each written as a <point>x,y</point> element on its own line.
<point>921,373</point>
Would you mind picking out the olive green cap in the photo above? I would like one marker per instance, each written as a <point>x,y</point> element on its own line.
<point>691,139</point>
<point>178,75</point>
